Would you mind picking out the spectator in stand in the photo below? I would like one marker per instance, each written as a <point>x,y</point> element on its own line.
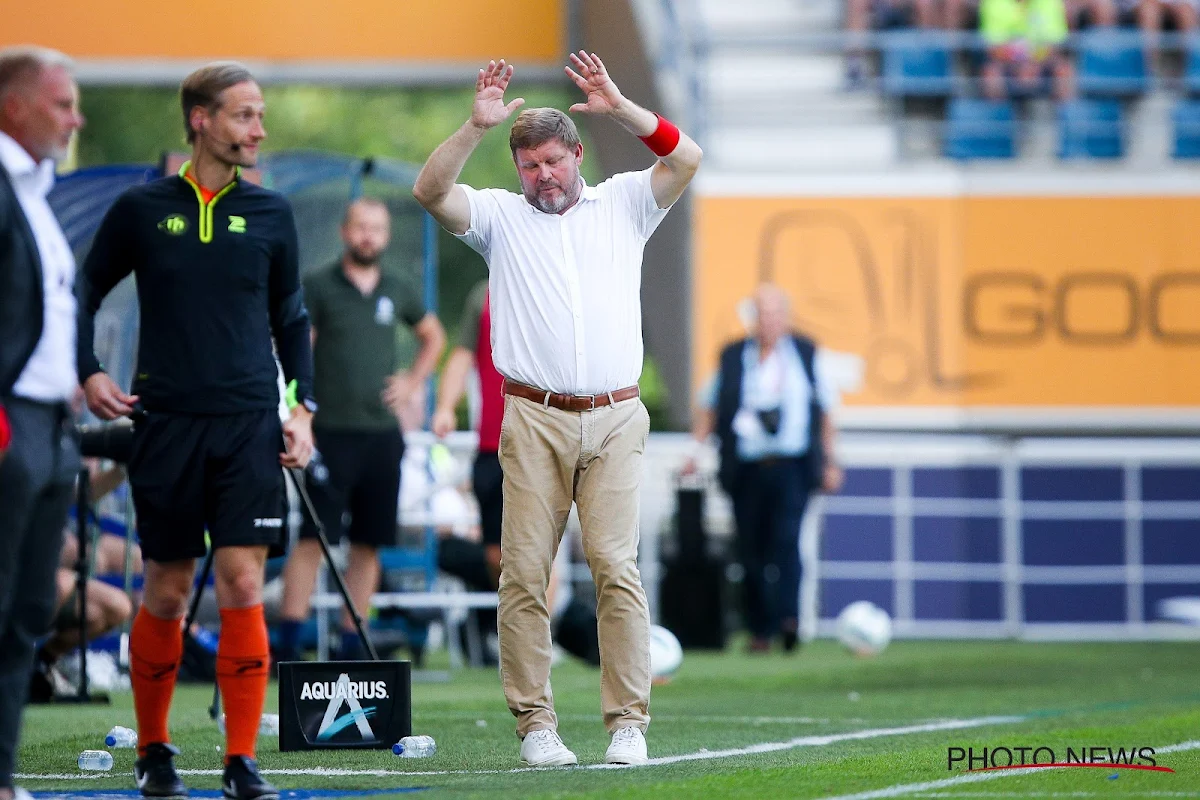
<point>1024,40</point>
<point>863,16</point>
<point>963,15</point>
<point>1150,15</point>
<point>1153,16</point>
<point>1093,13</point>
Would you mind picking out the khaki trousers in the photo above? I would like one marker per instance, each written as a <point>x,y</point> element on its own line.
<point>594,458</point>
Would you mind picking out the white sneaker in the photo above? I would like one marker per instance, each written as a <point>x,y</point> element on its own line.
<point>628,747</point>
<point>543,748</point>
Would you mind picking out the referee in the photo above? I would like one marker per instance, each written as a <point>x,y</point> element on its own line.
<point>217,279</point>
<point>356,307</point>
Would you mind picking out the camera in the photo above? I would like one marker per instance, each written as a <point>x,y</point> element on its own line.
<point>113,441</point>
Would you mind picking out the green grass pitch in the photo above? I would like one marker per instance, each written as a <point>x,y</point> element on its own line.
<point>839,725</point>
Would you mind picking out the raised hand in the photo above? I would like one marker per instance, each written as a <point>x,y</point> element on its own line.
<point>602,95</point>
<point>489,109</point>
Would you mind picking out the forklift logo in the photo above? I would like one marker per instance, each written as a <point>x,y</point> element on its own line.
<point>343,694</point>
<point>895,296</point>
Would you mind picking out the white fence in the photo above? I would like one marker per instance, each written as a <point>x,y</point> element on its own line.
<point>962,536</point>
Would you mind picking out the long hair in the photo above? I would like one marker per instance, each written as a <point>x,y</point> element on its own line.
<point>204,86</point>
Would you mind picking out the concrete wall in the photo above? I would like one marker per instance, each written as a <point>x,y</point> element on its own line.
<point>608,28</point>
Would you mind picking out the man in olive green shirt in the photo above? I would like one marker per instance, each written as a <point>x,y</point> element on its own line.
<point>355,307</point>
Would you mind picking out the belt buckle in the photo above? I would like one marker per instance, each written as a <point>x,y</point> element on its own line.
<point>591,397</point>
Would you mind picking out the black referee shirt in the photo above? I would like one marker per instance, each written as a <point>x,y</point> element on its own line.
<point>215,282</point>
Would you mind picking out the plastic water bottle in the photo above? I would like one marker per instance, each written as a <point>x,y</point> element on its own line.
<point>121,737</point>
<point>415,747</point>
<point>204,637</point>
<point>96,760</point>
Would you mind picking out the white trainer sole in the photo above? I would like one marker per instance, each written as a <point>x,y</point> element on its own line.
<point>626,758</point>
<point>569,760</point>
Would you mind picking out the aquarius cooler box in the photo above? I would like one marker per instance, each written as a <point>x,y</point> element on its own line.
<point>337,705</point>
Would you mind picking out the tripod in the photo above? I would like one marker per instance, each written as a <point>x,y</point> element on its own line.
<point>82,509</point>
<point>214,710</point>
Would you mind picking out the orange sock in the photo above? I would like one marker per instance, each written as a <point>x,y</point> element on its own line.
<point>155,648</point>
<point>242,670</point>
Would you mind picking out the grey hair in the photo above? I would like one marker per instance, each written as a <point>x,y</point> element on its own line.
<point>22,64</point>
<point>772,291</point>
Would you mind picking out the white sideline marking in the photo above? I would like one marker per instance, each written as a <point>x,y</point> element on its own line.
<point>823,739</point>
<point>1055,794</point>
<point>720,719</point>
<point>911,788</point>
<point>702,755</point>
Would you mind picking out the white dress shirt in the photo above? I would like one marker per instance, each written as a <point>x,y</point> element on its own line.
<point>49,375</point>
<point>566,288</point>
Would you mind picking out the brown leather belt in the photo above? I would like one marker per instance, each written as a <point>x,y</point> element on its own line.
<point>569,402</point>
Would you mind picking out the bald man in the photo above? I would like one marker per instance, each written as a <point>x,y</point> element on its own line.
<point>355,307</point>
<point>768,406</point>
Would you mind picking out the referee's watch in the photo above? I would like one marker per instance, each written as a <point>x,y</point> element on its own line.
<point>309,403</point>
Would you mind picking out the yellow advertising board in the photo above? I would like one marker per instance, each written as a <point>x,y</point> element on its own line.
<point>976,302</point>
<point>522,31</point>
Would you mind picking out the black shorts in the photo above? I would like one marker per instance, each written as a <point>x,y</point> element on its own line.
<point>192,473</point>
<point>487,481</point>
<point>361,478</point>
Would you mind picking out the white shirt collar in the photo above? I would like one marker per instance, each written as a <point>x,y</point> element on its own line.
<point>586,194</point>
<point>20,164</point>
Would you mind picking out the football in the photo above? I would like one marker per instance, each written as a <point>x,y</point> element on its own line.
<point>665,653</point>
<point>864,628</point>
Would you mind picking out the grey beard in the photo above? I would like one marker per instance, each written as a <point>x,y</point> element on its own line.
<point>564,201</point>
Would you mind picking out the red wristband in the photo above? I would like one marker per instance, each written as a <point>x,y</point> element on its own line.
<point>664,139</point>
<point>5,430</point>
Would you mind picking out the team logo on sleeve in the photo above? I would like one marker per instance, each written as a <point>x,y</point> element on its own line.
<point>175,224</point>
<point>385,311</point>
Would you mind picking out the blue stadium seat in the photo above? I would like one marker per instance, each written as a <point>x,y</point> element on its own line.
<point>916,64</point>
<point>1090,129</point>
<point>978,129</point>
<point>1186,119</point>
<point>1191,70</point>
<point>1111,63</point>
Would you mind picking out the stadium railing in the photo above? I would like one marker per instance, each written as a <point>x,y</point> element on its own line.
<point>962,536</point>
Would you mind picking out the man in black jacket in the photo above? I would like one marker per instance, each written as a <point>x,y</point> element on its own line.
<point>39,112</point>
<point>217,278</point>
<point>768,407</point>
